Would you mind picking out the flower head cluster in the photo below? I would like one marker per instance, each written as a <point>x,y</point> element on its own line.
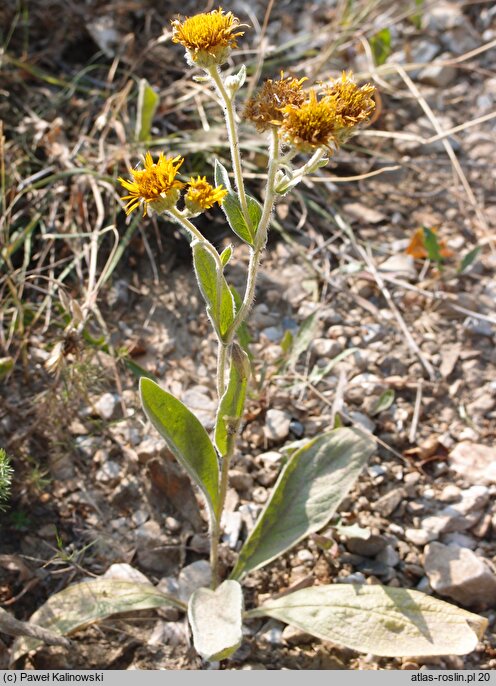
<point>266,108</point>
<point>311,119</point>
<point>156,186</point>
<point>207,37</point>
<point>202,196</point>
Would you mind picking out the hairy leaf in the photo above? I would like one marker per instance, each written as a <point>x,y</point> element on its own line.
<point>314,481</point>
<point>381,620</point>
<point>233,401</point>
<point>185,437</point>
<point>216,620</point>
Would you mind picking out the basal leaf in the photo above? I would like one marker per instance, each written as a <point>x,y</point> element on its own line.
<point>384,402</point>
<point>233,401</point>
<point>80,605</point>
<point>185,437</point>
<point>310,487</point>
<point>381,620</point>
<point>216,620</point>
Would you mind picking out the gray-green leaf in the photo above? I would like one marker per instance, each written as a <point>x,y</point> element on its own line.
<point>381,620</point>
<point>85,603</point>
<point>216,620</point>
<point>214,288</point>
<point>310,488</point>
<point>185,437</point>
<point>233,401</point>
<point>233,211</point>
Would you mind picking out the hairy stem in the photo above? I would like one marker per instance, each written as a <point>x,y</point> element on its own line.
<point>221,368</point>
<point>214,541</point>
<point>232,132</point>
<point>261,236</point>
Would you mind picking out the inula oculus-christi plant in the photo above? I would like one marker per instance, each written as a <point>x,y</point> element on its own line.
<point>308,124</point>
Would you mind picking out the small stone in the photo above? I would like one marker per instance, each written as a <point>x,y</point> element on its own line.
<point>169,633</point>
<point>270,458</point>
<point>402,265</point>
<point>476,327</point>
<point>196,575</point>
<point>296,428</point>
<point>450,494</point>
<point>105,406</point>
<point>295,637</point>
<point>411,481</point>
<point>388,503</point>
<point>419,536</point>
<point>197,400</point>
<point>325,347</point>
<point>271,633</point>
<point>124,572</point>
<point>438,75</point>
<point>366,546</point>
<point>277,425</point>
<point>240,480</point>
<point>273,333</point>
<point>356,578</point>
<point>173,525</point>
<point>388,556</point>
<point>460,539</point>
<point>305,556</point>
<point>363,214</point>
<point>149,448</point>
<point>260,495</point>
<point>232,522</point>
<point>110,472</point>
<point>461,575</point>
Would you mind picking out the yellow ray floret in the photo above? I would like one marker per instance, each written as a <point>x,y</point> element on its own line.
<point>202,196</point>
<point>208,37</point>
<point>155,185</point>
<point>266,108</point>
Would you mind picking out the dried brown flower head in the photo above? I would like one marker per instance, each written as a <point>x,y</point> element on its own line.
<point>266,108</point>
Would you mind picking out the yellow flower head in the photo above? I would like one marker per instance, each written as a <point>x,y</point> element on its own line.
<point>202,196</point>
<point>207,37</point>
<point>353,103</point>
<point>313,124</point>
<point>155,185</point>
<point>266,108</point>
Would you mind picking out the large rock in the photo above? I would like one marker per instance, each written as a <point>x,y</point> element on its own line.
<point>461,575</point>
<point>475,462</point>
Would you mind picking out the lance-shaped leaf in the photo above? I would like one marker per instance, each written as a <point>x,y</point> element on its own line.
<point>231,207</point>
<point>80,605</point>
<point>214,288</point>
<point>185,437</point>
<point>147,106</point>
<point>216,619</point>
<point>314,481</point>
<point>233,401</point>
<point>392,622</point>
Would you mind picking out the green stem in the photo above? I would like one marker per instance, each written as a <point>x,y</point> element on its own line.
<point>227,104</point>
<point>221,368</point>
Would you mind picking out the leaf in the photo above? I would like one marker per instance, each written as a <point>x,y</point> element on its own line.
<point>212,283</point>
<point>233,401</point>
<point>85,603</point>
<point>6,366</point>
<point>185,437</point>
<point>216,620</point>
<point>302,340</point>
<point>416,18</point>
<point>381,620</point>
<point>319,373</point>
<point>384,402</point>
<point>381,45</point>
<point>226,255</point>
<point>432,245</point>
<point>308,491</point>
<point>469,258</point>
<point>147,106</point>
<point>231,207</point>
